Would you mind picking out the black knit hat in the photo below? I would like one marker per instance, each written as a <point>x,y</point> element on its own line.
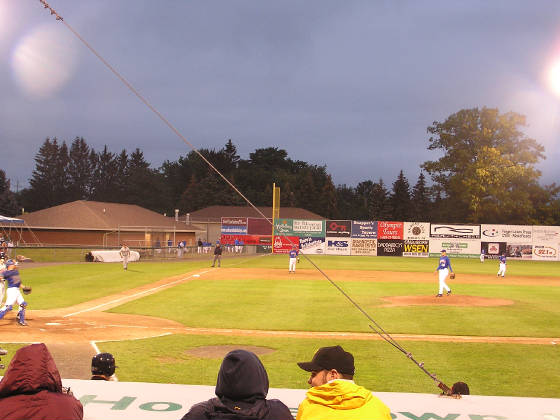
<point>328,358</point>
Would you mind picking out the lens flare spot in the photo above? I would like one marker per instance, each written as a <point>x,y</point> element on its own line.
<point>554,77</point>
<point>44,61</point>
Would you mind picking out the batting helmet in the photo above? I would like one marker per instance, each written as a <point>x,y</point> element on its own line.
<point>103,364</point>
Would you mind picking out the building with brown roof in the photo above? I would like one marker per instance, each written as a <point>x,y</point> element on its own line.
<point>93,223</point>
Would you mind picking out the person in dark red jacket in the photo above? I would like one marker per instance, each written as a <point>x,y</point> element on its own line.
<point>241,389</point>
<point>32,389</point>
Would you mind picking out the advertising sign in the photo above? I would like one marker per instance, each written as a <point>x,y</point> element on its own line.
<point>390,247</point>
<point>493,250</point>
<point>507,233</point>
<point>364,246</point>
<point>246,239</point>
<point>339,228</point>
<point>312,245</point>
<point>519,251</point>
<point>545,252</point>
<point>256,226</point>
<point>390,230</point>
<point>454,231</point>
<point>337,246</point>
<point>283,244</point>
<point>234,225</point>
<point>284,227</point>
<point>546,235</point>
<point>416,230</point>
<point>455,247</point>
<point>364,229</point>
<point>305,228</point>
<point>416,248</point>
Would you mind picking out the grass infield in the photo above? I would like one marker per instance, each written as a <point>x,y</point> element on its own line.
<point>290,304</point>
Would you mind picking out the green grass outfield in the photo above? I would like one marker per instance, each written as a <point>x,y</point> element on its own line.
<point>489,369</point>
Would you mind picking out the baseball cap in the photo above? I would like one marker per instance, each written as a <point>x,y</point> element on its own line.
<point>443,250</point>
<point>327,358</point>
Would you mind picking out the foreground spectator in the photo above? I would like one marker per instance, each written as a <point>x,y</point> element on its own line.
<point>334,395</point>
<point>103,367</point>
<point>241,388</point>
<point>32,389</point>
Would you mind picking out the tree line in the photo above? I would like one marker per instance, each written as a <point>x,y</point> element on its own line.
<point>486,175</point>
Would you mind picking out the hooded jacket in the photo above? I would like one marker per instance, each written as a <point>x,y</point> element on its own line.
<point>342,399</point>
<point>241,391</point>
<point>32,389</point>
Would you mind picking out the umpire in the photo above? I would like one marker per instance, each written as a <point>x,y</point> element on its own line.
<point>217,255</point>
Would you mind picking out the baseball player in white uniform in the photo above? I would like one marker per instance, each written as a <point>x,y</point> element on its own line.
<point>502,270</point>
<point>125,254</point>
<point>443,270</point>
<point>293,260</point>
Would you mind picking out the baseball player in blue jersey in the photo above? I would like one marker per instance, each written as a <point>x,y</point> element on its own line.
<point>443,270</point>
<point>13,294</point>
<point>502,270</point>
<point>293,259</point>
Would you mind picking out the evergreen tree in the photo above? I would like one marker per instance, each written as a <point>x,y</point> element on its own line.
<point>421,204</point>
<point>80,170</point>
<point>400,199</point>
<point>379,206</point>
<point>8,203</point>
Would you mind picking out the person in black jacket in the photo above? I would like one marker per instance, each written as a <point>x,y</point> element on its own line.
<point>241,391</point>
<point>217,255</point>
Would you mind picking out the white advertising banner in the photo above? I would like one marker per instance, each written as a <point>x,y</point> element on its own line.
<point>446,230</point>
<point>416,231</point>
<point>338,246</point>
<point>512,234</point>
<point>363,246</point>
<point>104,400</point>
<point>455,247</point>
<point>312,245</point>
<point>546,243</point>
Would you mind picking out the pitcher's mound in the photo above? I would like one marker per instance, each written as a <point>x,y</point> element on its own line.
<point>451,300</point>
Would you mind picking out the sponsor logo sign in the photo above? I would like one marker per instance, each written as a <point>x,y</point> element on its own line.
<point>455,247</point>
<point>312,245</point>
<point>283,244</point>
<point>546,234</point>
<point>337,246</point>
<point>519,251</point>
<point>338,228</point>
<point>364,246</point>
<point>416,230</point>
<point>246,239</point>
<point>284,227</point>
<point>493,250</point>
<point>234,230</point>
<point>390,230</point>
<point>234,225</point>
<point>364,229</point>
<point>256,226</point>
<point>545,252</point>
<point>305,228</point>
<point>454,231</point>
<point>416,248</point>
<point>390,247</point>
<point>506,233</point>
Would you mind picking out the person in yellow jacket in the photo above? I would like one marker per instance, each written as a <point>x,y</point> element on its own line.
<point>334,395</point>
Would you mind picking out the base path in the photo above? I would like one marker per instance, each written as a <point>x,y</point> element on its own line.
<point>69,332</point>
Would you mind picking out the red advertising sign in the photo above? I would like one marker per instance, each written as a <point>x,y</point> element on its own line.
<point>390,230</point>
<point>246,239</point>
<point>283,244</point>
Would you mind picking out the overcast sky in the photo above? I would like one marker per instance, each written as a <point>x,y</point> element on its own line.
<point>352,85</point>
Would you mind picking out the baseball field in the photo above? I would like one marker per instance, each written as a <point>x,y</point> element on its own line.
<point>172,322</point>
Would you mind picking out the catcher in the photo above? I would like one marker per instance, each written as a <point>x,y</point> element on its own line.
<point>13,294</point>
<point>443,270</point>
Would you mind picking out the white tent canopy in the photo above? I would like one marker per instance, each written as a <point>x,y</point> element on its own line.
<point>10,220</point>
